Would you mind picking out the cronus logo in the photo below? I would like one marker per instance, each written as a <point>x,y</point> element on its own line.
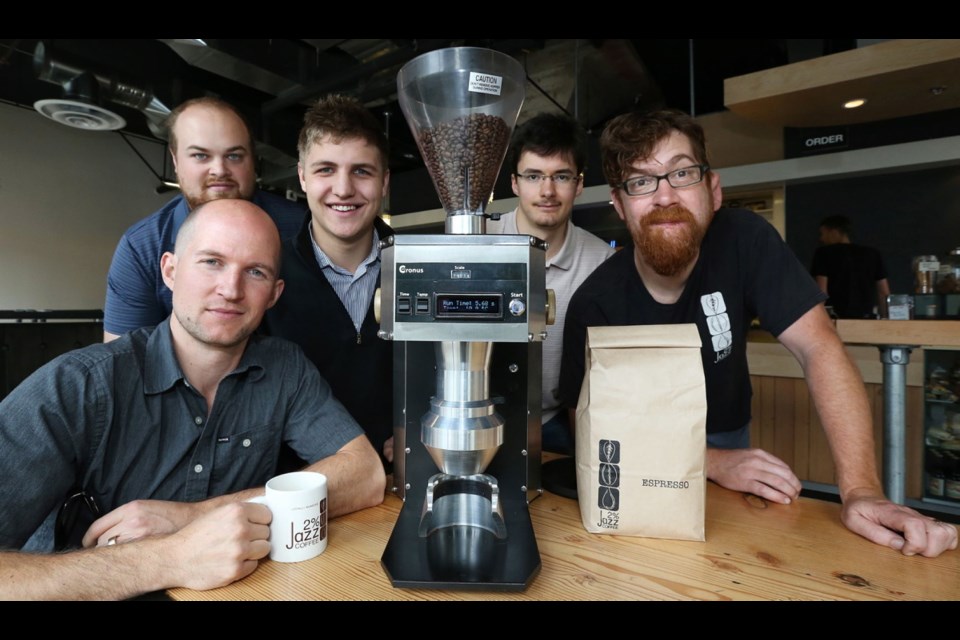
<point>405,269</point>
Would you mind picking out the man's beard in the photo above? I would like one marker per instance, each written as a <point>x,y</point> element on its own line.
<point>198,332</point>
<point>668,252</point>
<point>195,199</point>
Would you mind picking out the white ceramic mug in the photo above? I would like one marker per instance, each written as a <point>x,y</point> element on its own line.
<point>298,502</point>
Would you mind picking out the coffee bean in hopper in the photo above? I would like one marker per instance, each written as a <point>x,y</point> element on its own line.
<point>475,142</point>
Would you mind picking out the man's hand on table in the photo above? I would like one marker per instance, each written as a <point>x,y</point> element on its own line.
<point>221,546</point>
<point>139,519</point>
<point>753,471</point>
<point>896,526</point>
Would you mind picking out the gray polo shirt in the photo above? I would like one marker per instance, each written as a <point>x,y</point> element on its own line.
<point>581,253</point>
<point>121,420</point>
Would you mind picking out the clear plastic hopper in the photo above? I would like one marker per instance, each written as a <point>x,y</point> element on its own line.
<point>462,104</point>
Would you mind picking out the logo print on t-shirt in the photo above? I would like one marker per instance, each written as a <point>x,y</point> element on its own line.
<point>718,323</point>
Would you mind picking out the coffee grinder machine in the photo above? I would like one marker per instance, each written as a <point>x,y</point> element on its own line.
<point>467,313</point>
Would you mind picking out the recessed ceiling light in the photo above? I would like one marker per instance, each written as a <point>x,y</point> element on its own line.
<point>853,104</point>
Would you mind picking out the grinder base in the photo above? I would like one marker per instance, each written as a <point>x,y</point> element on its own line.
<point>463,557</point>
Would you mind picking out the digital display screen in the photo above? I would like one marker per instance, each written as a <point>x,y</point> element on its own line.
<point>469,305</point>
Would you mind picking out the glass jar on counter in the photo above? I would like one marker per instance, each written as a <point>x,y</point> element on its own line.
<point>925,270</point>
<point>948,276</point>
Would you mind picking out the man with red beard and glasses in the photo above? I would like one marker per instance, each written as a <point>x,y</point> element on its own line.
<point>213,155</point>
<point>694,262</point>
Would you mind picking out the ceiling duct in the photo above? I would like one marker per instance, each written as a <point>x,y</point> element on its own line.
<point>202,55</point>
<point>85,94</point>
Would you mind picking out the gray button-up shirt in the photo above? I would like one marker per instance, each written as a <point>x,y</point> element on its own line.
<point>121,420</point>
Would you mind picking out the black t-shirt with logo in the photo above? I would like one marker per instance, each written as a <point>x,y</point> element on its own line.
<point>744,271</point>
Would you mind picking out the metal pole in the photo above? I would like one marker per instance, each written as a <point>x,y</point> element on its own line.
<point>895,360</point>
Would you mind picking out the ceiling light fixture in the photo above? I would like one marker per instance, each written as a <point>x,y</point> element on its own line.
<point>80,115</point>
<point>853,104</point>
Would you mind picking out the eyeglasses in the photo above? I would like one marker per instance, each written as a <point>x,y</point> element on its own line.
<point>559,179</point>
<point>678,178</point>
<point>76,514</point>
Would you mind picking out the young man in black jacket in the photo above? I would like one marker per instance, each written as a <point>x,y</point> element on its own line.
<point>332,266</point>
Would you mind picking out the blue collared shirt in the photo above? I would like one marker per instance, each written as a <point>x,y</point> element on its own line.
<point>122,421</point>
<point>136,294</point>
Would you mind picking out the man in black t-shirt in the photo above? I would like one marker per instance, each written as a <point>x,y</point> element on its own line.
<point>695,262</point>
<point>852,275</point>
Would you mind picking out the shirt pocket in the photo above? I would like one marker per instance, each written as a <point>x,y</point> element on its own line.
<point>246,459</point>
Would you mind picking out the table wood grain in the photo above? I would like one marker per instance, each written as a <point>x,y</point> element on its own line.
<point>754,550</point>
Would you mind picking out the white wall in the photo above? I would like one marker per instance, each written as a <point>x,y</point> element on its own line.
<point>66,197</point>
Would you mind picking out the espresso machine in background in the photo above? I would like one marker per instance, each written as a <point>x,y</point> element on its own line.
<point>467,313</point>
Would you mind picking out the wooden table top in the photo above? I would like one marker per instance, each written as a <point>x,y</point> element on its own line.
<point>754,550</point>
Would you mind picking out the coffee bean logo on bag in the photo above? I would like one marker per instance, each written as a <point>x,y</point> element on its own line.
<point>608,493</point>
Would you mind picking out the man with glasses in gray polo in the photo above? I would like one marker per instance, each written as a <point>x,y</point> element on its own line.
<point>546,159</point>
<point>695,262</point>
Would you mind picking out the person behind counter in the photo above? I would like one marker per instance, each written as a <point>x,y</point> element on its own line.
<point>213,155</point>
<point>719,268</point>
<point>546,158</point>
<point>852,275</point>
<point>158,427</point>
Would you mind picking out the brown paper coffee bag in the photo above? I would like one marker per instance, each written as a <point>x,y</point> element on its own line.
<point>641,432</point>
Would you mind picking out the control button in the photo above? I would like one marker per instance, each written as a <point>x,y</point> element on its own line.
<point>423,305</point>
<point>517,307</point>
<point>403,305</point>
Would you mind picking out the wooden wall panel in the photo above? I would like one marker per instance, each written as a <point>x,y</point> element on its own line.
<point>786,424</point>
<point>784,407</point>
<point>915,444</point>
<point>801,426</point>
